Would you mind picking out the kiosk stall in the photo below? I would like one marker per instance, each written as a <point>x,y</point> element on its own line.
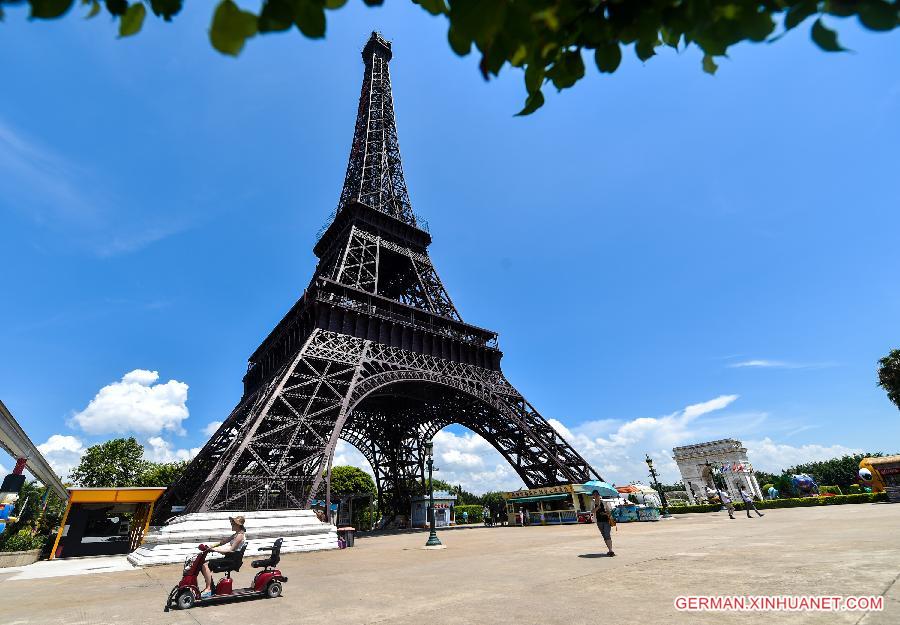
<point>104,521</point>
<point>550,505</point>
<point>444,504</point>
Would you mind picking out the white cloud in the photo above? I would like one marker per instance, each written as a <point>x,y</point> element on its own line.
<point>347,454</point>
<point>463,458</point>
<point>211,427</point>
<point>616,448</point>
<point>762,363</point>
<point>767,455</point>
<point>136,404</point>
<point>158,449</point>
<point>469,460</point>
<point>62,452</point>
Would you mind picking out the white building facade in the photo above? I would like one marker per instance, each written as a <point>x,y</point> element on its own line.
<point>726,457</point>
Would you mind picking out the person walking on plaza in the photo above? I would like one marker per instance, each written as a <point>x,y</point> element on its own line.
<point>725,498</point>
<point>748,503</point>
<point>524,517</point>
<point>605,522</point>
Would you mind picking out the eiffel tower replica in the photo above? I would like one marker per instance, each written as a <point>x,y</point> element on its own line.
<point>373,353</point>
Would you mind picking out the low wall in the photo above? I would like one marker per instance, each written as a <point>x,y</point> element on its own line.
<point>803,502</point>
<point>173,542</point>
<point>19,558</point>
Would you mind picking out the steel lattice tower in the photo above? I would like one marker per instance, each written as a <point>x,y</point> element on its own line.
<point>373,353</point>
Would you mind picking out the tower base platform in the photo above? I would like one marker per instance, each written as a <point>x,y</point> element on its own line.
<point>179,538</point>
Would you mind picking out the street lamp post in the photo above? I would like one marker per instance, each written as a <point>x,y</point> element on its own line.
<point>433,540</point>
<point>662,494</point>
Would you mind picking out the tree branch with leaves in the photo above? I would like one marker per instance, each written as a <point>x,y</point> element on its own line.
<point>547,39</point>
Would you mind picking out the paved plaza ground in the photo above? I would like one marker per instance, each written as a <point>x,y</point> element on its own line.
<point>527,576</point>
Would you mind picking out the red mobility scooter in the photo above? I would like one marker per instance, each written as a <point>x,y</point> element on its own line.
<point>266,583</point>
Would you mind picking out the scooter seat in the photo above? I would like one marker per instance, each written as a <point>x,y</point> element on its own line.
<point>273,559</point>
<point>231,562</point>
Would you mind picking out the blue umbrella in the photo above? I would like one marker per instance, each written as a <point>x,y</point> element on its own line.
<point>604,488</point>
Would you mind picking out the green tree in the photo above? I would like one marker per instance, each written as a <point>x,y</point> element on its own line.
<point>160,473</point>
<point>841,471</point>
<point>439,485</point>
<point>493,499</point>
<point>346,480</point>
<point>889,376</point>
<point>547,40</point>
<point>115,463</point>
<point>465,498</point>
<point>765,478</point>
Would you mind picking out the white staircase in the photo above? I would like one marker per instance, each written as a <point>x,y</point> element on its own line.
<point>179,538</point>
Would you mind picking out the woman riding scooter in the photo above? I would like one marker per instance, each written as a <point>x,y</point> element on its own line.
<point>231,545</point>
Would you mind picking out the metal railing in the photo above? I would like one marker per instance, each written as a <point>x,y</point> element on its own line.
<point>553,517</point>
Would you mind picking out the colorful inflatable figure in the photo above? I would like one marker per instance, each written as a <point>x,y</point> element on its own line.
<point>9,495</point>
<point>804,486</point>
<point>772,493</point>
<point>7,507</point>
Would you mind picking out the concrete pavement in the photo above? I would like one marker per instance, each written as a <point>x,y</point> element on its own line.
<point>528,575</point>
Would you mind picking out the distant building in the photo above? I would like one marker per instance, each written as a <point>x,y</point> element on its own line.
<point>444,515</point>
<point>726,457</point>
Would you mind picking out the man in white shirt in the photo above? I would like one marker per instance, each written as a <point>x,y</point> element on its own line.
<point>725,498</point>
<point>748,503</point>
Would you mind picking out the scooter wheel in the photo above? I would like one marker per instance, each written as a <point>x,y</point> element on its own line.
<point>185,600</point>
<point>273,590</point>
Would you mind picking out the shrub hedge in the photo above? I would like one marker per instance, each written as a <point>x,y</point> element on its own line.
<point>23,540</point>
<point>800,502</point>
<point>834,490</point>
<point>474,514</point>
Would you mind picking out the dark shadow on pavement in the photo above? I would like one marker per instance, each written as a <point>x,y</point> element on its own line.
<point>594,555</point>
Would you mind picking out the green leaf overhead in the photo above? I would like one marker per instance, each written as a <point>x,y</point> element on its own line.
<point>309,16</point>
<point>132,21</point>
<point>825,38</point>
<point>231,27</point>
<point>878,14</point>
<point>166,9</point>
<point>607,57</point>
<point>799,12</point>
<point>533,103</point>
<point>49,9</point>
<point>116,7</point>
<point>539,36</point>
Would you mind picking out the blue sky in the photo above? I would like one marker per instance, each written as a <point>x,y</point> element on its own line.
<point>633,242</point>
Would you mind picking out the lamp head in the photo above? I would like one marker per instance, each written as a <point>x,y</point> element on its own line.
<point>429,448</point>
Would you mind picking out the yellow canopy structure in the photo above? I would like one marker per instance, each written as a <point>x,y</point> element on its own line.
<point>142,500</point>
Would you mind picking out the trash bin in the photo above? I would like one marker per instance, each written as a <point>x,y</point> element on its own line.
<point>345,535</point>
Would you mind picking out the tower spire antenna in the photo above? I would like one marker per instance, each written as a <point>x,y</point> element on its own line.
<point>374,171</point>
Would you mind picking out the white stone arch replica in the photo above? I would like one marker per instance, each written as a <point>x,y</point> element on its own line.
<point>728,456</point>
